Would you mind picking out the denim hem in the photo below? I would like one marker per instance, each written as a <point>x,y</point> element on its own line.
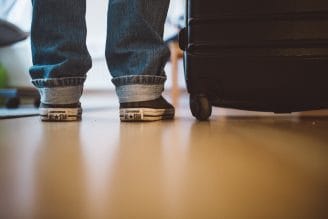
<point>138,79</point>
<point>58,82</point>
<point>139,92</point>
<point>61,95</point>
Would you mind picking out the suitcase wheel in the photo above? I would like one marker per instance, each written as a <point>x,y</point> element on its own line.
<point>200,106</point>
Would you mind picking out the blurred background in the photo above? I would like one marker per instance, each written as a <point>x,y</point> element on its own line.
<point>16,58</point>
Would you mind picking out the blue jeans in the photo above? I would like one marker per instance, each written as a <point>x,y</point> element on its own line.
<point>135,51</point>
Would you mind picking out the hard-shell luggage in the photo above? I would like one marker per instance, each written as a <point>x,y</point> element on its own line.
<point>263,55</point>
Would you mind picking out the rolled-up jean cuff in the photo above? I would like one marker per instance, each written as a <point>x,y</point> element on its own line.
<point>136,88</point>
<point>58,82</point>
<point>139,92</point>
<point>61,95</point>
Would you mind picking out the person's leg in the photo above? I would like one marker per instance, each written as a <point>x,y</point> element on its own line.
<point>136,56</point>
<point>60,56</point>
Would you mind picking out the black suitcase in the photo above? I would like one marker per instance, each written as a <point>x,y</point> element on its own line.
<point>262,55</point>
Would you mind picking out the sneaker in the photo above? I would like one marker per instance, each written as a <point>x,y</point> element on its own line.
<point>152,110</point>
<point>60,113</point>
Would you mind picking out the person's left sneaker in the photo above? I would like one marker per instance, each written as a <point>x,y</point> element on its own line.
<point>152,110</point>
<point>60,113</point>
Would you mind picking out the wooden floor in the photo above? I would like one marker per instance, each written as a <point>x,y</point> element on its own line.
<point>238,165</point>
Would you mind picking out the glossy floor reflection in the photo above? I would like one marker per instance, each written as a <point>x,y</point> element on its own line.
<point>238,165</point>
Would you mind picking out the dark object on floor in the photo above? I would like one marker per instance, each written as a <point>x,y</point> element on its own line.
<point>13,96</point>
<point>10,33</point>
<point>256,55</point>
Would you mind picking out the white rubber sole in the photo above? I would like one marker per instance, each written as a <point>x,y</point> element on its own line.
<point>60,114</point>
<point>145,114</point>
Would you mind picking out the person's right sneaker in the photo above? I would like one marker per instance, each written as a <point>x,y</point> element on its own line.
<point>152,110</point>
<point>60,113</point>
